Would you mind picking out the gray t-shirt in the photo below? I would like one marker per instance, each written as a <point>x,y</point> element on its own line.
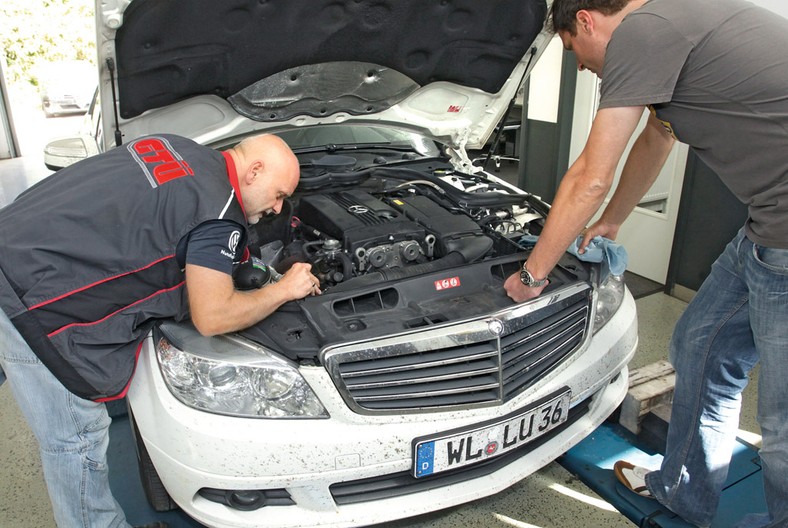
<point>715,72</point>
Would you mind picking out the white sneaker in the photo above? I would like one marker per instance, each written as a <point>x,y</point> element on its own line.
<point>633,477</point>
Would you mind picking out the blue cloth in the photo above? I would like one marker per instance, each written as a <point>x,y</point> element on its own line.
<point>599,249</point>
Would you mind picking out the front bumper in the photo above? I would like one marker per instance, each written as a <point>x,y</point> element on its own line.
<point>352,469</point>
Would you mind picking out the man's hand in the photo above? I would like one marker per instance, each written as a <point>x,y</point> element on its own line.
<point>217,307</point>
<point>300,282</point>
<point>598,228</point>
<point>518,291</point>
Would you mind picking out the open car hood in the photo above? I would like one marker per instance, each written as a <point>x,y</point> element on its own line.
<point>213,69</point>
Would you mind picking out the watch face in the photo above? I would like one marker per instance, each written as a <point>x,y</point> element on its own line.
<point>529,280</point>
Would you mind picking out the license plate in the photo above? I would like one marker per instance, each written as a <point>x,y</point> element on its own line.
<point>459,448</point>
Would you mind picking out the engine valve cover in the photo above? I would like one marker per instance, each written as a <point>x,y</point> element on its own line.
<point>359,220</point>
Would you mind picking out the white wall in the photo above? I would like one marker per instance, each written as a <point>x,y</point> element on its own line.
<point>545,84</point>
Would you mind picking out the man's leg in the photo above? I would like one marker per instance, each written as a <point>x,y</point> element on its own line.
<point>72,434</point>
<point>767,277</point>
<point>712,351</point>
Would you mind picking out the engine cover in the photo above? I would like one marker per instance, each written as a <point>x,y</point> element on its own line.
<point>358,220</point>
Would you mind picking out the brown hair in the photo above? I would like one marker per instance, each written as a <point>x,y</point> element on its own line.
<point>562,12</point>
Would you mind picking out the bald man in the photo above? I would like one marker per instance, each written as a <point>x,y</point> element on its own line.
<point>94,255</point>
<point>267,173</point>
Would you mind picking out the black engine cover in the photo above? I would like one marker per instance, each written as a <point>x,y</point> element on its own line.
<point>357,219</point>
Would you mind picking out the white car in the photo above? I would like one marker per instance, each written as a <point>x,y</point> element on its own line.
<point>413,383</point>
<point>66,87</point>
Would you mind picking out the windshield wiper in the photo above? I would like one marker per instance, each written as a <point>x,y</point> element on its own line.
<point>331,148</point>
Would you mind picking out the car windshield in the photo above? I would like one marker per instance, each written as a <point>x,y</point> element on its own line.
<point>355,137</point>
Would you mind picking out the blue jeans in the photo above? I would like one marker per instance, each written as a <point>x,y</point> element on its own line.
<point>738,317</point>
<point>72,435</point>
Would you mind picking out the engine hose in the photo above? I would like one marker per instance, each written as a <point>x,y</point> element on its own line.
<point>538,205</point>
<point>347,264</point>
<point>306,228</point>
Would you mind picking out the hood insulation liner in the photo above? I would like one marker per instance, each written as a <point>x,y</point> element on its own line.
<point>169,50</point>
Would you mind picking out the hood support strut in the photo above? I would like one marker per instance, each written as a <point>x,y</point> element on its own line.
<point>502,122</point>
<point>111,68</point>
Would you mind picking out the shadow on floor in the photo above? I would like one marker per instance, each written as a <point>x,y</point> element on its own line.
<point>641,286</point>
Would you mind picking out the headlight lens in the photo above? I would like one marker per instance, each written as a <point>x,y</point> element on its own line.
<point>232,376</point>
<point>609,298</point>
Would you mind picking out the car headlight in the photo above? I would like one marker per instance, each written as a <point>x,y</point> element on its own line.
<point>230,375</point>
<point>609,297</point>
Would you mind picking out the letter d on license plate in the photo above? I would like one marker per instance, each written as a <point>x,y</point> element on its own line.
<point>458,448</point>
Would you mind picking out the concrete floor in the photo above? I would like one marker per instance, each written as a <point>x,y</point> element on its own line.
<point>551,498</point>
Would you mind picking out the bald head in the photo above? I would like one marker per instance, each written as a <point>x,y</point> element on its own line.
<point>268,173</point>
<point>262,147</point>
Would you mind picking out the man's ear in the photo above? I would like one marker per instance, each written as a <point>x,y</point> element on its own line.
<point>255,171</point>
<point>584,21</point>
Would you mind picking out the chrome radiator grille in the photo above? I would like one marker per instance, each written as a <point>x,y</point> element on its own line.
<point>479,362</point>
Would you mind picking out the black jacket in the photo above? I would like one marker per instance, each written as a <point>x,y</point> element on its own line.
<point>88,255</point>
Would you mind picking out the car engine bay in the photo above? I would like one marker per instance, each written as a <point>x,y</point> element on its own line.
<point>396,247</point>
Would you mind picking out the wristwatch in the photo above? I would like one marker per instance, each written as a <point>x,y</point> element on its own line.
<point>529,280</point>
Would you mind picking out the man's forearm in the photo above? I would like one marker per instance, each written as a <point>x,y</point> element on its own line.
<point>578,198</point>
<point>641,169</point>
<point>584,186</point>
<point>217,307</point>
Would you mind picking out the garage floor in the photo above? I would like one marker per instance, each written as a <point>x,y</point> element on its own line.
<point>552,498</point>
